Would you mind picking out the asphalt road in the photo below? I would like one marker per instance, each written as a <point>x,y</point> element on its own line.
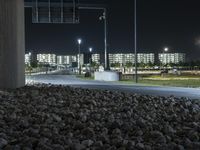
<point>192,93</point>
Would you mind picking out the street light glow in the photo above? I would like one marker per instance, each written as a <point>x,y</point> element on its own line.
<point>90,49</point>
<point>166,49</point>
<point>79,41</point>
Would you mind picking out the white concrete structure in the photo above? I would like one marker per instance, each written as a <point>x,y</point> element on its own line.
<point>167,58</point>
<point>46,58</point>
<point>106,76</point>
<point>12,44</point>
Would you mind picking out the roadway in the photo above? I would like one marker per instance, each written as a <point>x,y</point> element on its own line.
<point>70,80</point>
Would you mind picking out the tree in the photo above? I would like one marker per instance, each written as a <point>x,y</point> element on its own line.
<point>141,64</point>
<point>29,68</point>
<point>150,64</point>
<point>115,65</point>
<point>172,64</point>
<point>129,64</point>
<point>95,65</point>
<point>112,65</point>
<point>83,65</point>
<point>34,64</point>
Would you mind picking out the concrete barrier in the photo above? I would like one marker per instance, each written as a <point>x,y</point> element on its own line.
<point>106,76</point>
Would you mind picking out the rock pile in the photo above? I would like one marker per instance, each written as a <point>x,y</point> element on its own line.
<point>46,117</point>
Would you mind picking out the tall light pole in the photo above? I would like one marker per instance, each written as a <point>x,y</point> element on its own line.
<point>79,53</point>
<point>105,38</point>
<point>166,49</point>
<point>90,59</point>
<point>104,17</point>
<point>135,42</point>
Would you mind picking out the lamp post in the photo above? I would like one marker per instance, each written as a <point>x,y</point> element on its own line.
<point>90,59</point>
<point>104,17</point>
<point>79,53</point>
<point>135,42</point>
<point>166,49</point>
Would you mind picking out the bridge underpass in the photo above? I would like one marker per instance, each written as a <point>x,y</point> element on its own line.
<point>69,118</point>
<point>12,36</point>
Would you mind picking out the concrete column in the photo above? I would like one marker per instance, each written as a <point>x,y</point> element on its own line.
<point>12,44</point>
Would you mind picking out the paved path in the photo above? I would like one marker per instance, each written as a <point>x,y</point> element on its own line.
<point>193,93</point>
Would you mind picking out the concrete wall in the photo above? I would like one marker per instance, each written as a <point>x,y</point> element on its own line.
<point>12,44</point>
<point>106,76</point>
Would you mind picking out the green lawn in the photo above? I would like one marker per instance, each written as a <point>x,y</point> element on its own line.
<point>175,82</point>
<point>169,80</point>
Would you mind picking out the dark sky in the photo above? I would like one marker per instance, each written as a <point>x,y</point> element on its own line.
<point>171,23</point>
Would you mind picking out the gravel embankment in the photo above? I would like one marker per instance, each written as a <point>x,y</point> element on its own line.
<point>57,118</point>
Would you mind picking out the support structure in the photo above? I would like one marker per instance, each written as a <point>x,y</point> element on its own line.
<point>105,40</point>
<point>79,59</point>
<point>104,17</point>
<point>135,42</point>
<point>12,44</point>
<point>79,6</point>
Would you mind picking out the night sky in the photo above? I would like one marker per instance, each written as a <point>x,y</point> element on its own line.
<point>161,23</point>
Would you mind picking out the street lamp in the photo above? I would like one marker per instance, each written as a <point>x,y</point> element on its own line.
<point>90,59</point>
<point>104,17</point>
<point>79,41</point>
<point>79,53</point>
<point>90,49</point>
<point>135,42</point>
<point>166,49</point>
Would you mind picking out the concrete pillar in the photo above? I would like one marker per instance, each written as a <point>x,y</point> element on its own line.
<point>12,44</point>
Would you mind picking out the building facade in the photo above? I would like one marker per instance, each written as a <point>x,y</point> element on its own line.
<point>96,58</point>
<point>66,60</point>
<point>81,59</point>
<point>84,59</point>
<point>120,58</point>
<point>125,58</point>
<point>175,58</point>
<point>46,58</point>
<point>146,58</point>
<point>28,58</point>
